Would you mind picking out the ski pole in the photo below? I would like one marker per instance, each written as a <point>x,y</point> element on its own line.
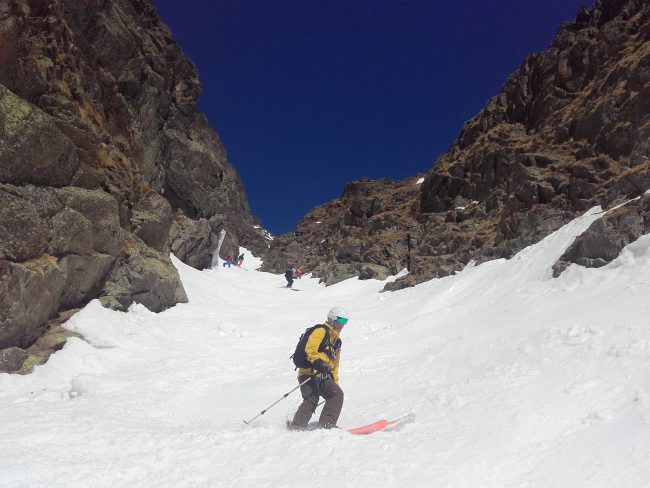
<point>272,405</point>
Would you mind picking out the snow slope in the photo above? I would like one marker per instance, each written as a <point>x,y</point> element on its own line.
<point>517,380</point>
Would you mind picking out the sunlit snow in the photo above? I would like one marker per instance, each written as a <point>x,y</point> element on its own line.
<point>516,380</point>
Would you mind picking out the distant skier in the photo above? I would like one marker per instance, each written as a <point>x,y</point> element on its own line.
<point>319,351</point>
<point>228,261</point>
<point>298,273</point>
<point>289,276</point>
<point>240,260</point>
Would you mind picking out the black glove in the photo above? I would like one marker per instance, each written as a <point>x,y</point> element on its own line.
<point>321,366</point>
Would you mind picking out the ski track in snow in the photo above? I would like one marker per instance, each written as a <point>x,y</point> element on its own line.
<point>517,380</point>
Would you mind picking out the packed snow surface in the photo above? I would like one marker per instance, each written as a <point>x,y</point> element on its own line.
<point>516,380</point>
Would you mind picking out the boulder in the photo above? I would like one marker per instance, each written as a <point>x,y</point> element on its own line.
<point>194,241</point>
<point>603,241</point>
<point>338,272</point>
<point>12,359</point>
<point>84,277</point>
<point>374,271</point>
<point>142,275</point>
<point>29,295</point>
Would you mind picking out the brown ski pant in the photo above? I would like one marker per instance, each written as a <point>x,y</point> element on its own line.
<point>311,392</point>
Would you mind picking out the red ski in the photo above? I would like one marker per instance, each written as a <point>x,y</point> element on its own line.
<point>381,425</point>
<point>370,428</point>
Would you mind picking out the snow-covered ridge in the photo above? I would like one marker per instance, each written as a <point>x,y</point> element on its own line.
<point>517,379</point>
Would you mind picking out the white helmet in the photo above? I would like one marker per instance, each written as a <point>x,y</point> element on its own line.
<point>335,313</point>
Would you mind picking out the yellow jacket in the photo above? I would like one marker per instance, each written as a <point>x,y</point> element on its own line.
<point>313,343</point>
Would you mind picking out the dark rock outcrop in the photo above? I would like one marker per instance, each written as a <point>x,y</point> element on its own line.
<point>55,254</point>
<point>193,241</point>
<point>603,241</point>
<point>569,130</point>
<point>102,149</point>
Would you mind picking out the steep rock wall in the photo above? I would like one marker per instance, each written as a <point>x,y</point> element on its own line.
<point>569,130</point>
<point>103,157</point>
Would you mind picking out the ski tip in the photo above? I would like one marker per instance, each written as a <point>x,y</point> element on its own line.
<point>397,424</point>
<point>406,419</point>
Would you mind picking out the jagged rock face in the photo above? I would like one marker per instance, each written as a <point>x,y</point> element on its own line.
<point>565,133</point>
<point>56,250</point>
<point>569,130</point>
<point>101,146</point>
<point>121,90</point>
<point>365,233</point>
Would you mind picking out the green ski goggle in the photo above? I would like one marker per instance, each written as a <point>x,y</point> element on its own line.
<point>341,320</point>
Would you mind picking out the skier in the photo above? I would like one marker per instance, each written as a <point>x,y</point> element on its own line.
<point>289,276</point>
<point>240,260</point>
<point>299,272</point>
<point>322,349</point>
<point>228,261</point>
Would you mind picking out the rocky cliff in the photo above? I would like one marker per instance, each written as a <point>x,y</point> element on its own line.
<point>569,130</point>
<point>369,232</point>
<point>105,166</point>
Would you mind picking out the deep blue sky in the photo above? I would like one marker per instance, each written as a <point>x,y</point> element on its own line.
<point>310,94</point>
